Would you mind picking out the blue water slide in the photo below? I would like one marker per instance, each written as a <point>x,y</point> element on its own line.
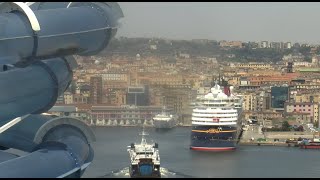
<point>37,41</point>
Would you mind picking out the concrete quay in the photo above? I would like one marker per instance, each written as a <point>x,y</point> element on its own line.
<point>262,144</point>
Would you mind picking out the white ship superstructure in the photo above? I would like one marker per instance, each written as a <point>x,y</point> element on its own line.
<point>144,158</point>
<point>164,120</point>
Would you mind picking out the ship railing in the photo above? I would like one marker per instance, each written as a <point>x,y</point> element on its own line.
<point>213,123</point>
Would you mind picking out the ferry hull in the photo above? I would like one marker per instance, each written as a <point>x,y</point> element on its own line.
<point>214,138</point>
<point>159,124</point>
<point>145,171</point>
<point>212,148</point>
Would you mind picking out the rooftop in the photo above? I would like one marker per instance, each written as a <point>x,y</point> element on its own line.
<point>63,109</point>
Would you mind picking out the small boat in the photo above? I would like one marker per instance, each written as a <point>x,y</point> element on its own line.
<point>311,144</point>
<point>164,120</point>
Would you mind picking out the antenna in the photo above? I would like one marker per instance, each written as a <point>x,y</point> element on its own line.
<point>163,103</point>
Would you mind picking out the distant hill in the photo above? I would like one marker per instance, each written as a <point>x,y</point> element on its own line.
<point>205,48</point>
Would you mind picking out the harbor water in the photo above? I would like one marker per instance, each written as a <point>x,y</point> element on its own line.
<point>178,161</point>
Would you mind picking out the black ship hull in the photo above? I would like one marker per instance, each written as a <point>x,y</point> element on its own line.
<point>214,138</point>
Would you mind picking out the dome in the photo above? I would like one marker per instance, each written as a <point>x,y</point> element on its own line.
<point>222,96</point>
<point>96,62</point>
<point>216,89</point>
<point>208,95</point>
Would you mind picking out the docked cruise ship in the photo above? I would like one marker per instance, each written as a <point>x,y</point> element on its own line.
<point>144,159</point>
<point>164,120</point>
<point>216,120</point>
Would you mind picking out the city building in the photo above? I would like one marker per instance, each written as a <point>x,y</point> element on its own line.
<point>251,65</point>
<point>236,44</point>
<point>80,98</point>
<point>287,45</point>
<point>96,90</point>
<point>136,114</point>
<point>264,44</point>
<point>279,95</point>
<point>311,108</point>
<point>70,111</point>
<point>68,97</point>
<point>138,95</point>
<point>60,99</point>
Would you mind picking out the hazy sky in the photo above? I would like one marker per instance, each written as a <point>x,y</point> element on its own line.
<point>244,21</point>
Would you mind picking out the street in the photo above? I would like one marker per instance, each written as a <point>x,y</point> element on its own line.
<point>254,132</point>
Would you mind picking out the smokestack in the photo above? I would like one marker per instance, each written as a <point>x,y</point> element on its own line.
<point>226,87</point>
<point>226,90</point>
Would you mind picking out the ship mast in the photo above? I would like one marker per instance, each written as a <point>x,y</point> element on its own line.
<point>143,139</point>
<point>215,83</point>
<point>163,111</point>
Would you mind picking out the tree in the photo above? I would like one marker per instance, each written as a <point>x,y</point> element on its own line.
<point>300,128</point>
<point>315,124</point>
<point>290,118</point>
<point>192,83</point>
<point>308,58</point>
<point>285,126</point>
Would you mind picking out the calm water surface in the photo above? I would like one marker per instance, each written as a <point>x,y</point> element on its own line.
<point>177,160</point>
